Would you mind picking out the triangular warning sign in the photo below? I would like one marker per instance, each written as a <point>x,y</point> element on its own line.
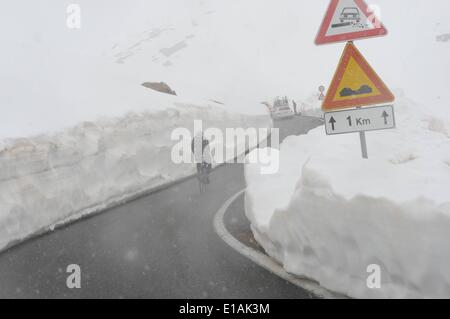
<point>348,20</point>
<point>355,83</point>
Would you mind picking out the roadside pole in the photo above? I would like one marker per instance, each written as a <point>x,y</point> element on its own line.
<point>362,136</point>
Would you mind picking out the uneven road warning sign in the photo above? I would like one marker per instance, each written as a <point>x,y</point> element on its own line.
<point>348,20</point>
<point>355,83</point>
<point>360,120</point>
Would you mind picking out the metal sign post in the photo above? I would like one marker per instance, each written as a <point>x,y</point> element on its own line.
<point>362,136</point>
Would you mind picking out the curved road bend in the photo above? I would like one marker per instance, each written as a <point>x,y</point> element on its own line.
<point>159,246</point>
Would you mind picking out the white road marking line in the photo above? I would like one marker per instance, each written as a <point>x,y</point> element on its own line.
<point>263,260</point>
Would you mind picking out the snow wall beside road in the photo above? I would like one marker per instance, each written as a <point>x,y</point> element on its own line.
<point>53,178</point>
<point>328,214</point>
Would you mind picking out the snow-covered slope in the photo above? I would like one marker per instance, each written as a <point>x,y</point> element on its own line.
<point>236,52</point>
<point>328,214</point>
<point>78,130</point>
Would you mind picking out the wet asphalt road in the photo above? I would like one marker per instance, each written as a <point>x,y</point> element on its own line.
<point>159,246</point>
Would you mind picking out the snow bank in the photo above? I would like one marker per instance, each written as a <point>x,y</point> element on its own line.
<point>311,106</point>
<point>331,214</point>
<point>52,178</point>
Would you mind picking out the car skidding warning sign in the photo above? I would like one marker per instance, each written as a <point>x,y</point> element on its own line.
<point>355,83</point>
<point>348,20</point>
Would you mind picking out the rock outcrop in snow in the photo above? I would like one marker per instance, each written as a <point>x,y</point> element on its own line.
<point>159,87</point>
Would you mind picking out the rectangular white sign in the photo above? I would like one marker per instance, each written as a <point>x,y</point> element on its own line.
<point>360,120</point>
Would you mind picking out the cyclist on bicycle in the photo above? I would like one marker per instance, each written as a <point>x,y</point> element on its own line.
<point>202,157</point>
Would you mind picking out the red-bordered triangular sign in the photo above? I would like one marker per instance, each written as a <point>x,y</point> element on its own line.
<point>355,83</point>
<point>348,20</point>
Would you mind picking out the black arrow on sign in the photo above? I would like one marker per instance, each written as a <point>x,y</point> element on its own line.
<point>385,116</point>
<point>332,121</point>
